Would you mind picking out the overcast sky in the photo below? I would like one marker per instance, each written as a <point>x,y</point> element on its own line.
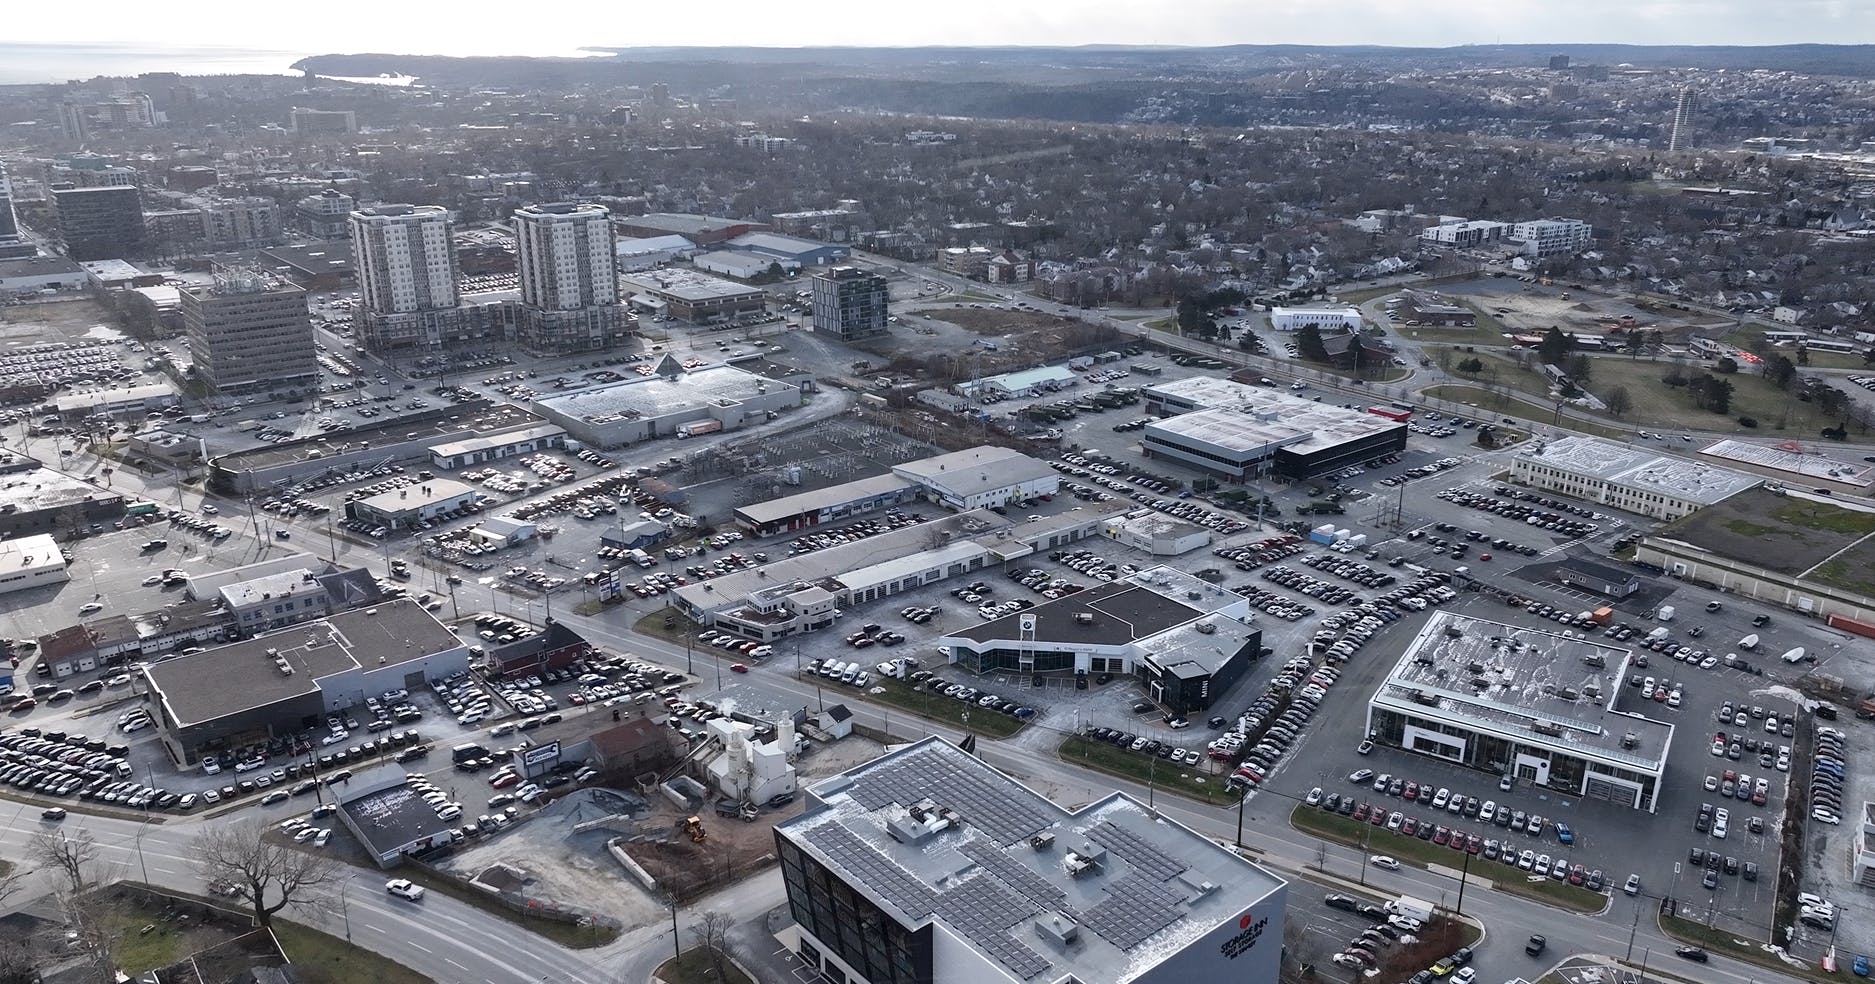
<point>557,26</point>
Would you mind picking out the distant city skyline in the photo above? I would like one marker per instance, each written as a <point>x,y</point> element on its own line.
<point>559,27</point>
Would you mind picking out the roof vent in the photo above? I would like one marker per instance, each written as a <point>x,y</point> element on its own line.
<point>1058,928</point>
<point>1043,841</point>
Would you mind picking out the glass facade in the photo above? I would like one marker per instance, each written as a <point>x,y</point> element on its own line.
<point>1498,755</point>
<point>849,925</point>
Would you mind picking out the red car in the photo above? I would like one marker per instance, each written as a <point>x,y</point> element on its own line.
<point>1474,844</point>
<point>738,668</point>
<point>1409,826</point>
<point>1412,790</point>
<point>1440,835</point>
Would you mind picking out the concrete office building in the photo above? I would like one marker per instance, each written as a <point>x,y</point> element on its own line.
<point>1325,318</point>
<point>100,223</point>
<point>569,279</point>
<point>850,303</point>
<point>325,215</point>
<point>927,866</point>
<point>1535,705</point>
<point>1626,477</point>
<point>981,478</point>
<point>287,681</point>
<point>248,330</point>
<point>1186,640</point>
<point>407,275</point>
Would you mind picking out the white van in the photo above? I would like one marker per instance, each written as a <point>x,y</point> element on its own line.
<point>849,672</point>
<point>1665,614</point>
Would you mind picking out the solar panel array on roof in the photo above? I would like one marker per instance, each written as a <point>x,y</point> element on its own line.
<point>1135,908</point>
<point>933,776</point>
<point>1017,876</point>
<point>896,885</point>
<point>983,911</point>
<point>1136,851</point>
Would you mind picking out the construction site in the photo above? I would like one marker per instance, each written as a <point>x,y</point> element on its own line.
<point>675,836</point>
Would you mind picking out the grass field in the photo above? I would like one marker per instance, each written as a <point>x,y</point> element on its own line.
<point>1412,850</point>
<point>1181,779</point>
<point>323,959</point>
<point>1488,331</point>
<point>1542,413</point>
<point>1657,405</point>
<point>694,967</point>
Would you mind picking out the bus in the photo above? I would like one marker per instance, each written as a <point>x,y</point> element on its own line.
<point>141,509</point>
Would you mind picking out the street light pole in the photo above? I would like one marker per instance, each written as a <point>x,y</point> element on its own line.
<point>1241,800</point>
<point>1464,874</point>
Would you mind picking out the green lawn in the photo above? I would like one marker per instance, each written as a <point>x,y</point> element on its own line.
<point>695,967</point>
<point>1412,850</point>
<point>1180,779</point>
<point>137,951</point>
<point>1669,407</point>
<point>325,959</point>
<point>1509,375</point>
<point>936,707</point>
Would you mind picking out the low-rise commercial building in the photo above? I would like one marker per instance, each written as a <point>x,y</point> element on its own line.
<point>1526,703</point>
<point>958,874</point>
<point>413,505</point>
<point>1240,431</point>
<point>829,505</point>
<point>274,601</point>
<point>1626,477</point>
<point>799,593</point>
<point>669,400</point>
<point>31,561</point>
<point>39,500</point>
<point>688,295</point>
<point>1603,579</point>
<point>287,681</point>
<point>406,439</point>
<point>703,230</point>
<point>1018,384</point>
<point>1803,466</point>
<point>1186,640</point>
<point>1156,533</point>
<point>130,400</point>
<point>981,478</point>
<point>452,455</point>
<point>1344,318</point>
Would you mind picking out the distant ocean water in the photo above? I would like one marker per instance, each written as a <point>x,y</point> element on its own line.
<point>26,64</point>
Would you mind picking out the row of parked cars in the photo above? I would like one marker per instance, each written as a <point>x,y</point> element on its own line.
<point>1323,591</point>
<point>1546,514</point>
<point>1827,776</point>
<point>1349,570</point>
<point>967,694</point>
<point>1145,745</point>
<point>1422,471</point>
<point>851,532</point>
<point>1265,551</point>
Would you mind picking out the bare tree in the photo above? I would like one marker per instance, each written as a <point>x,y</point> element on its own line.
<point>274,874</point>
<point>87,919</point>
<point>70,855</point>
<point>712,934</point>
<point>1618,401</point>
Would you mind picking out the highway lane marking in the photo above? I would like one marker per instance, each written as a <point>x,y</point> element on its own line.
<point>416,945</point>
<point>454,964</point>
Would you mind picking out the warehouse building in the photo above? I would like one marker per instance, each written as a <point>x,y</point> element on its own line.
<point>1156,533</point>
<point>411,506</point>
<point>1626,477</point>
<point>1186,640</point>
<point>981,478</point>
<point>961,875</point>
<point>1279,436</point>
<point>405,439</point>
<point>1803,466</point>
<point>40,500</point>
<point>1021,383</point>
<point>703,230</point>
<point>688,295</point>
<point>287,681</point>
<point>1527,703</point>
<point>800,593</point>
<point>130,400</point>
<point>652,252</point>
<point>828,505</point>
<point>29,562</point>
<point>669,400</point>
<point>789,251</point>
<point>451,455</point>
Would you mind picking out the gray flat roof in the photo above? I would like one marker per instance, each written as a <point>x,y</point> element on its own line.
<point>688,285</point>
<point>655,396</point>
<point>1640,468</point>
<point>775,510</point>
<point>484,442</point>
<point>1114,614</point>
<point>974,470</point>
<point>1295,426</point>
<point>42,488</point>
<point>683,223</point>
<point>393,818</point>
<point>476,416</point>
<point>417,496</point>
<point>933,835</point>
<point>1511,680</point>
<point>1809,463</point>
<point>243,675</point>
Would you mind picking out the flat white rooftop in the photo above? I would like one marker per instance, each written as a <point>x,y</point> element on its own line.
<point>1801,460</point>
<point>1640,468</point>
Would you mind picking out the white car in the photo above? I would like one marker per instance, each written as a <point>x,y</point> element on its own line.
<point>1405,924</point>
<point>1382,861</point>
<point>153,580</point>
<point>324,835</point>
<point>305,834</point>
<point>89,607</point>
<point>404,889</point>
<point>335,737</point>
<point>1825,816</point>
